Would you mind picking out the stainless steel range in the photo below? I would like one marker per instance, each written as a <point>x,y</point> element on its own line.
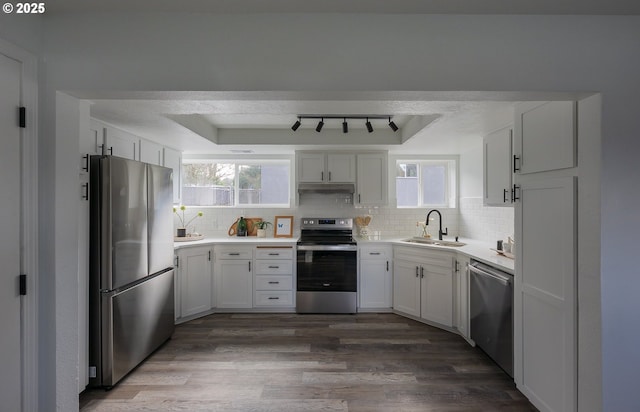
<point>327,274</point>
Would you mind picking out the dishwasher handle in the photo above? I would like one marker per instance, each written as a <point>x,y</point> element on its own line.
<point>500,278</point>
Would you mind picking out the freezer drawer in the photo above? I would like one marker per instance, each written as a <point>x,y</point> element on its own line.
<point>135,323</point>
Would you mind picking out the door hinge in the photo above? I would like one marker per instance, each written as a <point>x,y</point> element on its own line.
<point>22,117</point>
<point>23,285</point>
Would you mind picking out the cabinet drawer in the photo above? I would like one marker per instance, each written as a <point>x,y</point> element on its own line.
<point>227,252</point>
<point>370,253</point>
<point>274,253</point>
<point>274,283</point>
<point>274,298</point>
<point>274,267</point>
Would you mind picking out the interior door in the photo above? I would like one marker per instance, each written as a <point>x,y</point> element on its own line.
<point>10,217</point>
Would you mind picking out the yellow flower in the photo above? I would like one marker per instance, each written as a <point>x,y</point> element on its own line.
<point>181,216</point>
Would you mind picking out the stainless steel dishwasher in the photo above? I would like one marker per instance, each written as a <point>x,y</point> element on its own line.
<point>491,312</point>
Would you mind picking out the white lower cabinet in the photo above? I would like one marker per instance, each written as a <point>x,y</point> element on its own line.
<point>194,292</point>
<point>273,277</point>
<point>462,295</point>
<point>423,284</point>
<point>233,277</point>
<point>375,284</point>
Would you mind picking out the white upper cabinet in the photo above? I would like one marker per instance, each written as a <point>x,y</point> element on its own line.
<point>320,167</point>
<point>121,144</point>
<point>173,159</point>
<point>92,144</point>
<point>150,152</point>
<point>371,187</point>
<point>497,168</point>
<point>545,136</point>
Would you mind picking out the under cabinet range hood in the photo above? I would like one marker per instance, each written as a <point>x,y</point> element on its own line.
<point>346,188</point>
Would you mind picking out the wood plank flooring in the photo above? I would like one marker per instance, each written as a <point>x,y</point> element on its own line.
<point>298,363</point>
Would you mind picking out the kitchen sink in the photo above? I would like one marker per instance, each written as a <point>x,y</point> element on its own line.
<point>427,241</point>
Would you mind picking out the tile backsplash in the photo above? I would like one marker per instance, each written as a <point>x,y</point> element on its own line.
<point>471,220</point>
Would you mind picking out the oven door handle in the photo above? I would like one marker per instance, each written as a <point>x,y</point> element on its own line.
<point>502,279</point>
<point>338,248</point>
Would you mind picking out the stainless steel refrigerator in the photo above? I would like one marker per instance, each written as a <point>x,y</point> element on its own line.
<point>131,289</point>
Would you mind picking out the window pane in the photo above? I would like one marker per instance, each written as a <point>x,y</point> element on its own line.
<point>433,184</point>
<point>407,185</point>
<point>208,184</point>
<point>263,184</point>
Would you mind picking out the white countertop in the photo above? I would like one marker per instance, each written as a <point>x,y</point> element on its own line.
<point>248,240</point>
<point>474,249</point>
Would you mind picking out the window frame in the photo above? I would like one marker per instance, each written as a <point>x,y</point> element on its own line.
<point>452,182</point>
<point>242,161</point>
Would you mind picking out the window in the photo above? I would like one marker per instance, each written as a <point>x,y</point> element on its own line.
<point>254,182</point>
<point>426,183</point>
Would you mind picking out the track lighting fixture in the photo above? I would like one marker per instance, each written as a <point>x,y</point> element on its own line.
<point>392,125</point>
<point>345,124</point>
<point>369,127</point>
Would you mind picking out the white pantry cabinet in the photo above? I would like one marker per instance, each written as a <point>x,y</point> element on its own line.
<point>375,285</point>
<point>323,167</point>
<point>233,274</point>
<point>545,136</point>
<point>173,159</point>
<point>497,162</point>
<point>371,184</point>
<point>194,271</point>
<point>423,284</point>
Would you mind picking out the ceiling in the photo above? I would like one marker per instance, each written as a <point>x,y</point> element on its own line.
<point>593,7</point>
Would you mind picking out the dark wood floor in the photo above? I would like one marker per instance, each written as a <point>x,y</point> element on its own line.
<point>296,363</point>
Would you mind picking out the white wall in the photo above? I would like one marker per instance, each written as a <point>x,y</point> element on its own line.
<point>379,52</point>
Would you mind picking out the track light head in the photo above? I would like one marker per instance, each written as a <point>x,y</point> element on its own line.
<point>296,125</point>
<point>319,126</point>
<point>345,126</point>
<point>369,127</point>
<point>392,125</point>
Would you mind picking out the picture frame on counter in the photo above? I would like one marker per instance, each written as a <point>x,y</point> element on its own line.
<point>283,226</point>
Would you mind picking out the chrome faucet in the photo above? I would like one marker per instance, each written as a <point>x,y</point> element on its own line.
<point>440,232</point>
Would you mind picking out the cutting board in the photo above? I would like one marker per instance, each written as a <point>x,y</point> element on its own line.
<point>252,229</point>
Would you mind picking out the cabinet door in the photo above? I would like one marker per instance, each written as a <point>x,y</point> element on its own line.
<point>375,284</point>
<point>437,294</point>
<point>121,144</point>
<point>173,159</point>
<point>372,179</point>
<point>234,284</point>
<point>406,286</point>
<point>462,301</point>
<point>341,168</point>
<point>545,136</point>
<point>195,280</point>
<point>311,167</point>
<point>497,168</point>
<point>92,142</point>
<point>150,152</point>
<point>545,306</point>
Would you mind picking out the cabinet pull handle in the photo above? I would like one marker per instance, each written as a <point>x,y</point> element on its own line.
<point>249,266</point>
<point>358,197</point>
<point>387,265</point>
<point>374,253</point>
<point>457,269</point>
<point>329,175</point>
<point>177,261</point>
<point>274,254</point>
<point>322,176</point>
<point>515,159</point>
<point>273,298</point>
<point>85,195</point>
<point>421,271</point>
<point>111,151</point>
<point>504,195</point>
<point>234,254</point>
<point>209,256</point>
<point>274,282</point>
<point>86,163</point>
<point>417,271</point>
<point>514,193</point>
<point>274,267</point>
